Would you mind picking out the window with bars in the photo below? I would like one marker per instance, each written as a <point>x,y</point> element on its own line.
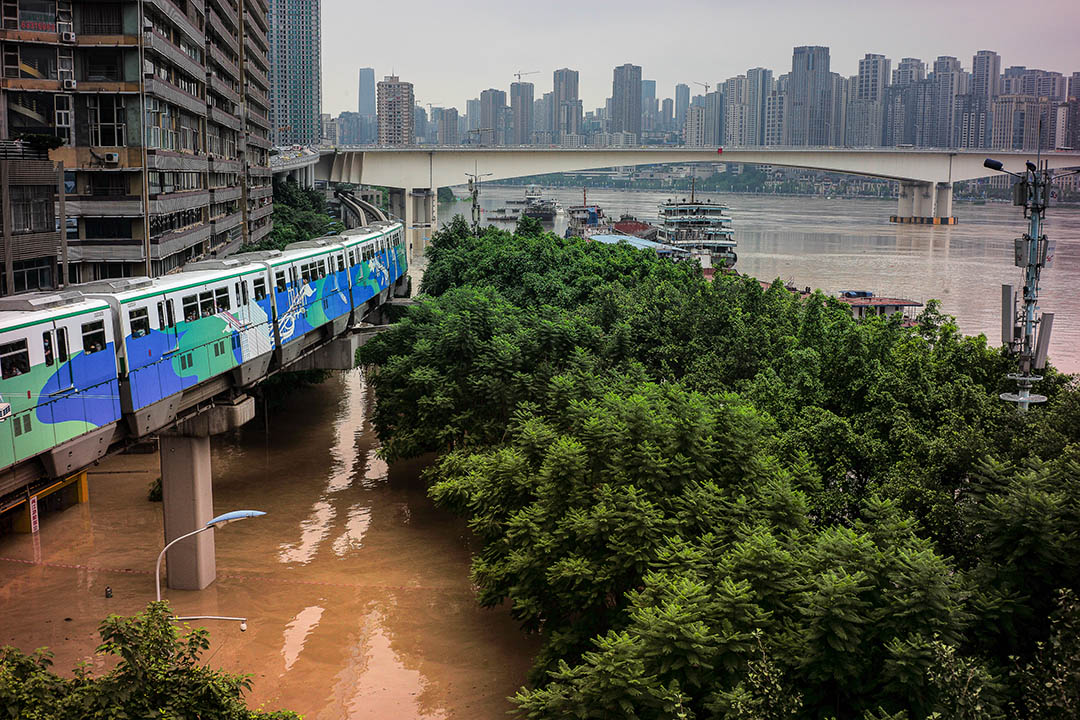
<point>107,120</point>
<point>32,209</point>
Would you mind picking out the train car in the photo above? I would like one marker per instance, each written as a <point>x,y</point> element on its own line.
<point>181,330</point>
<point>58,380</point>
<point>311,293</point>
<point>377,259</point>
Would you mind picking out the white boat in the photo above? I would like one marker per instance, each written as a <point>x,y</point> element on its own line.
<point>701,226</point>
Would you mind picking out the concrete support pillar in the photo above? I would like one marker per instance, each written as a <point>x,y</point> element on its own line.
<point>187,492</point>
<point>924,201</point>
<point>906,205</point>
<point>943,200</point>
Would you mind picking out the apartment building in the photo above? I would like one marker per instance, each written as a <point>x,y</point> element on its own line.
<point>161,112</point>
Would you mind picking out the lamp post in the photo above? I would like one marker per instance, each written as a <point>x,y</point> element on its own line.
<point>220,520</point>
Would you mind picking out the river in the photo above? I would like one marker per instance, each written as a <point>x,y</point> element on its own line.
<point>849,244</point>
<point>356,587</point>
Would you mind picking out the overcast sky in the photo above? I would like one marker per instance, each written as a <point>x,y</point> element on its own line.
<point>451,51</point>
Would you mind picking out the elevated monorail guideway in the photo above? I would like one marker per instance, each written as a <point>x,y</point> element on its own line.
<point>102,364</point>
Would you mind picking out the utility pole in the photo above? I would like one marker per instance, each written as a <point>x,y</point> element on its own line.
<point>474,191</point>
<point>1026,332</point>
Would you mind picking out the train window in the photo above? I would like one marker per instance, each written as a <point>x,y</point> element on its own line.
<point>322,268</point>
<point>139,319</point>
<point>161,316</point>
<point>191,308</point>
<point>221,297</point>
<point>206,303</point>
<point>169,314</point>
<point>259,286</point>
<point>93,337</point>
<point>293,275</point>
<point>241,294</point>
<point>14,359</point>
<point>279,281</point>
<point>61,345</point>
<point>46,342</point>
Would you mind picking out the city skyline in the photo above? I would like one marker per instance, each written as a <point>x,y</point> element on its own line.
<point>919,29</point>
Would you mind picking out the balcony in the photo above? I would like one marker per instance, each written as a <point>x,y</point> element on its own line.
<point>227,222</point>
<point>103,205</point>
<point>225,194</point>
<point>225,31</point>
<point>175,95</point>
<point>260,212</point>
<point>258,118</point>
<point>175,55</point>
<point>175,202</point>
<point>231,68</point>
<point>257,193</point>
<point>252,26</point>
<point>222,88</point>
<point>224,165</point>
<point>258,141</point>
<point>257,74</point>
<point>178,18</point>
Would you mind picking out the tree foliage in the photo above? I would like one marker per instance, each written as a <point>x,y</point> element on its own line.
<point>299,214</point>
<point>157,675</point>
<point>721,499</point>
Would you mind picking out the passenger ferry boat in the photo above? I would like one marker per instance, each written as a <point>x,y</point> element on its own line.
<point>703,227</point>
<point>536,206</point>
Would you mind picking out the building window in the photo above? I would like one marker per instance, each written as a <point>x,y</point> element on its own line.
<point>100,19</point>
<point>107,120</point>
<point>107,228</point>
<point>108,183</point>
<point>35,274</point>
<point>32,209</point>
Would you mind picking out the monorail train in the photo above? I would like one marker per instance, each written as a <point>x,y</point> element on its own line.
<point>74,364</point>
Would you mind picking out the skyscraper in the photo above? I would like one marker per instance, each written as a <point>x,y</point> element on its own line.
<point>808,96</point>
<point>649,108</point>
<point>682,102</point>
<point>909,71</point>
<point>759,82</point>
<point>971,114</point>
<point>448,127</point>
<point>395,107</point>
<point>949,81</point>
<point>565,104</point>
<point>736,112</point>
<point>667,114</point>
<point>366,104</point>
<point>296,71</point>
<point>521,108</point>
<point>694,128</point>
<point>866,107</point>
<point>492,117</point>
<point>626,100</point>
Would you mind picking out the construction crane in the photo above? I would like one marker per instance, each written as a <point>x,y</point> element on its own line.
<point>478,132</point>
<point>704,85</point>
<point>519,74</point>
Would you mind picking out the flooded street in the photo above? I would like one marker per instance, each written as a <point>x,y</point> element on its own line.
<point>357,590</point>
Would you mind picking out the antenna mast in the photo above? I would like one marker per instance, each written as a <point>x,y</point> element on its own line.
<point>1026,332</point>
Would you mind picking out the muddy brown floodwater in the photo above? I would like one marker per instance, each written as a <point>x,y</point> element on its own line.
<point>356,588</point>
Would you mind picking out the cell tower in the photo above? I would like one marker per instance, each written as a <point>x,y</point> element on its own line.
<point>1024,330</point>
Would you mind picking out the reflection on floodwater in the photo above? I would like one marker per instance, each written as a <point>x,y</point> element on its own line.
<point>357,590</point>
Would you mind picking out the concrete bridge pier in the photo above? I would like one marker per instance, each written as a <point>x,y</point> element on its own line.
<point>418,210</point>
<point>187,491</point>
<point>924,203</point>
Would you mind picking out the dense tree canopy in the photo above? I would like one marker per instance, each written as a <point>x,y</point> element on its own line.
<point>718,499</point>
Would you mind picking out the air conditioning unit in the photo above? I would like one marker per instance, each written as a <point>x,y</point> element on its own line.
<point>70,84</point>
<point>67,37</point>
<point>112,158</point>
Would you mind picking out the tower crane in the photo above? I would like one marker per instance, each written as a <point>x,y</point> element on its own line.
<point>704,85</point>
<point>519,74</point>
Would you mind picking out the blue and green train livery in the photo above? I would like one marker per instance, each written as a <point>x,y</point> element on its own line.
<point>114,357</point>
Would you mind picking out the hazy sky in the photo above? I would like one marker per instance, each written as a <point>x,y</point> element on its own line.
<point>451,51</point>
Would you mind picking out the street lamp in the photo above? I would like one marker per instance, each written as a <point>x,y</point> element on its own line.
<point>220,520</point>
